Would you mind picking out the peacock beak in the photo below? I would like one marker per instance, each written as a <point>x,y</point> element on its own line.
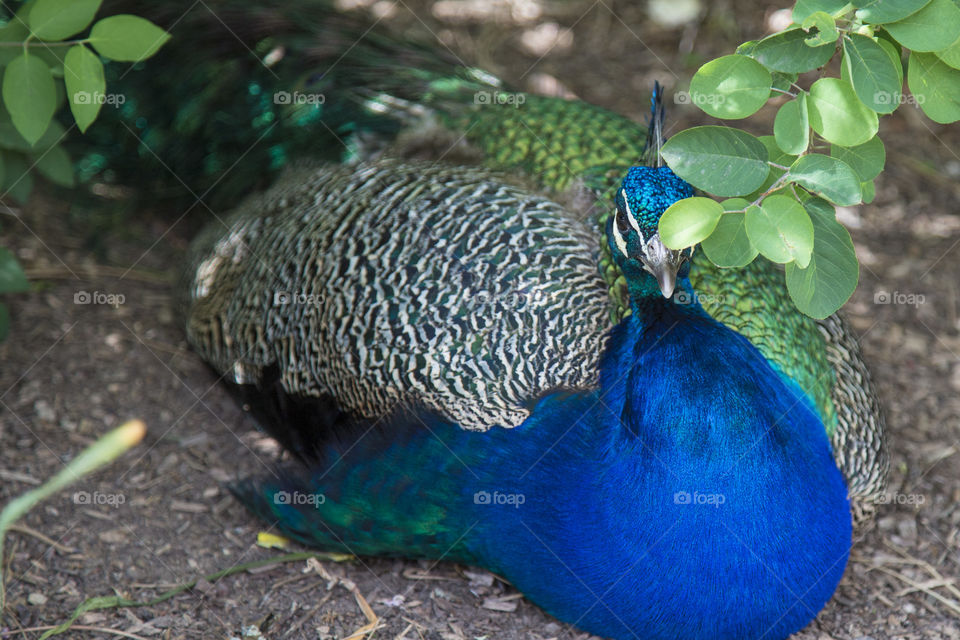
<point>667,278</point>
<point>663,263</point>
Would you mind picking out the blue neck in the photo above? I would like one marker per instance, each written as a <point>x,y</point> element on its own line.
<point>694,465</point>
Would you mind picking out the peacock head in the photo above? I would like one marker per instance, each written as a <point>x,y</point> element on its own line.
<point>634,239</point>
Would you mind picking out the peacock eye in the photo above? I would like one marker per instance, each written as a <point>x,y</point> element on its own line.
<point>622,225</point>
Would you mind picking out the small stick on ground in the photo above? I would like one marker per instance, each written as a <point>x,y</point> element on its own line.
<point>947,602</point>
<point>24,529</point>
<point>309,614</point>
<point>116,632</point>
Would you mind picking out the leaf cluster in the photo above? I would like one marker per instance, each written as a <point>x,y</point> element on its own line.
<point>781,190</point>
<point>46,64</point>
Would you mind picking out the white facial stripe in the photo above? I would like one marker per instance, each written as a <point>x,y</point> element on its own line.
<point>630,218</point>
<point>618,239</point>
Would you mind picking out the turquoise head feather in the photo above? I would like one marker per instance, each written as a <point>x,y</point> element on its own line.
<point>645,193</point>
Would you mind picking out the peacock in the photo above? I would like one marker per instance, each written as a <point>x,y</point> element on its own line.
<point>452,307</point>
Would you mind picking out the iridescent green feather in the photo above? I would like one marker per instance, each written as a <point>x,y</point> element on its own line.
<point>555,141</point>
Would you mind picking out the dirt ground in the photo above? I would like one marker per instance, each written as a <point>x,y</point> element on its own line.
<point>159,517</point>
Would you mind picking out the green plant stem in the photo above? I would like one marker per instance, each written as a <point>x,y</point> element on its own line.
<point>113,602</point>
<point>784,92</point>
<point>96,455</point>
<point>28,43</point>
<point>776,185</point>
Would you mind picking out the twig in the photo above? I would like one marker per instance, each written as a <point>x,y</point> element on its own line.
<point>948,584</point>
<point>373,622</point>
<point>924,586</point>
<point>95,272</point>
<point>418,574</point>
<point>309,614</point>
<point>81,627</point>
<point>950,604</point>
<point>24,529</point>
<point>115,602</point>
<point>14,476</point>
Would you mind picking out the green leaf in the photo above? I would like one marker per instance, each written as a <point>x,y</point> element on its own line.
<point>828,177</point>
<point>776,155</point>
<point>893,52</point>
<point>686,222</point>
<point>804,8</point>
<point>4,322</point>
<point>881,11</point>
<point>934,27</point>
<point>781,81</point>
<point>12,278</point>
<point>747,48</point>
<point>55,166</point>
<point>14,31</point>
<point>83,76</point>
<point>127,38</point>
<point>61,98</point>
<point>735,204</point>
<point>731,87</point>
<point>11,139</point>
<point>29,95</point>
<point>781,230</point>
<point>826,29</point>
<point>720,160</point>
<point>18,181</point>
<point>867,191</point>
<point>951,55</point>
<point>866,159</point>
<point>829,280</point>
<point>60,19</point>
<point>791,128</point>
<point>3,170</point>
<point>728,245</point>
<point>935,86</point>
<point>872,73</point>
<point>787,51</point>
<point>837,114</point>
<point>52,57</point>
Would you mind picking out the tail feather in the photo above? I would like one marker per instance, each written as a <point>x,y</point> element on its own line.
<point>387,489</point>
<point>244,90</point>
<point>655,139</point>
